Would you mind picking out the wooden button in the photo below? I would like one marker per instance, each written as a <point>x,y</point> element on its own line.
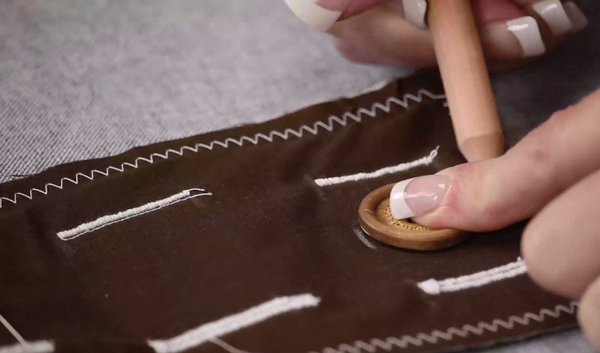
<point>377,221</point>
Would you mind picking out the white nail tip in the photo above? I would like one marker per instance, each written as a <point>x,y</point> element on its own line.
<point>528,33</point>
<point>554,14</point>
<point>315,16</point>
<point>415,11</point>
<point>398,205</point>
<point>577,17</point>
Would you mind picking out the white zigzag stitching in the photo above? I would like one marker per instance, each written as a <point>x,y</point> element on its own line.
<point>436,336</point>
<point>285,135</point>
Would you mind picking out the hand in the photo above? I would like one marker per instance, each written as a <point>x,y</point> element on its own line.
<point>552,175</point>
<point>393,32</point>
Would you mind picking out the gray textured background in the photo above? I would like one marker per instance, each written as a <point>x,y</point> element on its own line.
<point>87,79</point>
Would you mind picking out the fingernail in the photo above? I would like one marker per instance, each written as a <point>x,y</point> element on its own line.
<point>415,11</point>
<point>553,13</point>
<point>577,17</point>
<point>527,32</point>
<point>320,15</point>
<point>418,196</point>
<point>514,39</point>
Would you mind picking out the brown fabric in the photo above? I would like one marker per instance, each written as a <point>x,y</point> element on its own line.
<point>267,231</point>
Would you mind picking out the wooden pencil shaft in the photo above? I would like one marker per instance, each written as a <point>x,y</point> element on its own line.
<point>464,72</point>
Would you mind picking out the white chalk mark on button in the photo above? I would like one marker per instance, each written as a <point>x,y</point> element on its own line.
<point>363,239</point>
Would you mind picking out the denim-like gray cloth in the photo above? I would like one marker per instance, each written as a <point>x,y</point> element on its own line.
<point>83,79</point>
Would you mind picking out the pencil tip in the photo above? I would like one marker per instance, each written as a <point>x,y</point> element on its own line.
<point>488,146</point>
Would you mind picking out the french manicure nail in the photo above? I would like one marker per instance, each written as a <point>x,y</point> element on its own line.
<point>528,34</point>
<point>577,17</point>
<point>500,42</point>
<point>553,13</point>
<point>415,11</point>
<point>505,42</point>
<point>320,15</point>
<point>418,196</point>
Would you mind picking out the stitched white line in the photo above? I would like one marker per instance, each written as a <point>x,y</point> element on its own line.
<point>29,347</point>
<point>24,346</point>
<point>206,332</point>
<point>478,279</point>
<point>12,330</point>
<point>363,239</point>
<point>378,173</point>
<point>226,346</point>
<point>271,136</point>
<point>130,213</point>
<point>374,345</point>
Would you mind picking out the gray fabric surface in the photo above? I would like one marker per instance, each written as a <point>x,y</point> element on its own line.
<point>83,79</point>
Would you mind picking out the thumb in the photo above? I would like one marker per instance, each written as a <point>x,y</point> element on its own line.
<point>491,194</point>
<point>322,14</point>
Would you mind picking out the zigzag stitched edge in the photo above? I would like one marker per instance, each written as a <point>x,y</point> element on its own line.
<point>436,336</point>
<point>285,135</point>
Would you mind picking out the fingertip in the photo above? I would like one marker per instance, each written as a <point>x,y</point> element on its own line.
<point>415,12</point>
<point>315,16</point>
<point>380,36</point>
<point>357,7</point>
<point>320,15</point>
<point>557,261</point>
<point>589,314</point>
<point>478,200</point>
<point>450,213</point>
<point>511,32</point>
<point>554,15</point>
<point>534,257</point>
<point>499,11</point>
<point>518,38</point>
<point>576,16</point>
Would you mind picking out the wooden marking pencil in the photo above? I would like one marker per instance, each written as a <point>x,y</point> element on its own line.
<point>466,79</point>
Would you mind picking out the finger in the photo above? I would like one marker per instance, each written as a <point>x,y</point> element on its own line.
<point>495,11</point>
<point>385,37</point>
<point>322,14</point>
<point>382,36</point>
<point>492,194</point>
<point>370,56</point>
<point>505,31</point>
<point>510,38</point>
<point>357,7</point>
<point>415,12</point>
<point>556,22</point>
<point>511,29</point>
<point>561,17</point>
<point>561,245</point>
<point>553,16</point>
<point>589,313</point>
